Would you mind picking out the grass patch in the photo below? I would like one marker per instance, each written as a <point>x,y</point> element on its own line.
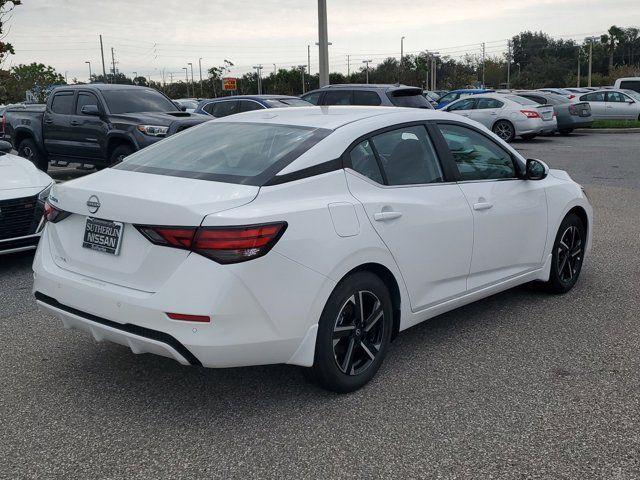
<point>616,124</point>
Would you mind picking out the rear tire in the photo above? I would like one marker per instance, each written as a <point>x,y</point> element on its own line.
<point>529,136</point>
<point>567,255</point>
<point>566,131</point>
<point>29,150</point>
<point>120,153</point>
<point>354,333</point>
<point>505,130</point>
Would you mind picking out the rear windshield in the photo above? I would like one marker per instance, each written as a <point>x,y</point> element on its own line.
<point>521,100</point>
<point>287,102</point>
<point>233,152</point>
<point>409,98</point>
<point>137,100</point>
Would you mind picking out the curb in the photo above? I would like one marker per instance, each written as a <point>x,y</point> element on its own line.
<point>607,130</point>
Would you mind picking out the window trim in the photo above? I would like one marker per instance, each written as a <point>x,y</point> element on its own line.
<point>443,163</point>
<point>519,169</point>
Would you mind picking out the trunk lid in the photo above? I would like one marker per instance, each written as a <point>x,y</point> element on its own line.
<point>546,112</point>
<point>134,198</point>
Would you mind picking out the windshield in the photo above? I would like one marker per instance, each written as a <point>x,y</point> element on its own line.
<point>287,102</point>
<point>188,103</point>
<point>633,94</point>
<point>521,100</point>
<point>408,98</point>
<point>137,100</point>
<point>247,153</point>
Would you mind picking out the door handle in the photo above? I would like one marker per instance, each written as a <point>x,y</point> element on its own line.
<point>482,205</point>
<point>384,216</point>
<point>494,114</point>
<point>48,120</point>
<point>74,123</point>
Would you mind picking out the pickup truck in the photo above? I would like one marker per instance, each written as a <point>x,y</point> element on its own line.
<point>95,124</point>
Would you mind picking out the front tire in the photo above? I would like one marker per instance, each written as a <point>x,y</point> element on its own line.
<point>120,153</point>
<point>529,136</point>
<point>29,150</point>
<point>504,130</point>
<point>354,333</point>
<point>568,255</point>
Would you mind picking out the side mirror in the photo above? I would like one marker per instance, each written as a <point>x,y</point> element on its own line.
<point>5,147</point>
<point>628,100</point>
<point>536,170</point>
<point>183,108</point>
<point>91,110</point>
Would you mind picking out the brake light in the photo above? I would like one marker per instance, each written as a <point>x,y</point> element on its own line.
<point>3,124</point>
<point>189,318</point>
<point>571,96</point>
<point>53,214</point>
<point>221,244</point>
<point>530,113</point>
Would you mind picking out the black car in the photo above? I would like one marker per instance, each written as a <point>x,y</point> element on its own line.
<point>225,106</point>
<point>96,124</point>
<point>368,94</point>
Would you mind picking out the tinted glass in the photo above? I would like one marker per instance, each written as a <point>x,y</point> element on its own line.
<point>593,97</point>
<point>287,102</point>
<point>85,98</point>
<point>224,108</point>
<point>363,97</point>
<point>312,97</point>
<point>337,97</point>
<point>62,103</point>
<point>363,161</point>
<point>227,152</point>
<point>408,157</point>
<point>631,84</point>
<point>409,98</point>
<point>477,157</point>
<point>137,100</point>
<point>248,105</point>
<point>193,104</point>
<point>465,104</point>
<point>616,97</point>
<point>484,103</point>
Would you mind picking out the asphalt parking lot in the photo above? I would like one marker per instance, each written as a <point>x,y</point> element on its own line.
<point>520,385</point>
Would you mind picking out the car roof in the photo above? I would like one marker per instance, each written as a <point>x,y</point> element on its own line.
<point>329,117</point>
<point>249,97</point>
<point>371,86</point>
<point>471,90</point>
<point>103,86</point>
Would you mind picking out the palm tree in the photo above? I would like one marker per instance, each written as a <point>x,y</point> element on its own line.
<point>613,37</point>
<point>631,36</point>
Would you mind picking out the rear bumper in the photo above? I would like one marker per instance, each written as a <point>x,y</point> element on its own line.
<point>534,126</point>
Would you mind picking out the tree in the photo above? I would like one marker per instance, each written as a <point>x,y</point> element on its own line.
<point>613,37</point>
<point>6,6</point>
<point>36,78</point>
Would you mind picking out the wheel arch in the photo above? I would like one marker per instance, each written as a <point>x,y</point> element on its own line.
<point>116,140</point>
<point>21,135</point>
<point>502,119</point>
<point>581,213</point>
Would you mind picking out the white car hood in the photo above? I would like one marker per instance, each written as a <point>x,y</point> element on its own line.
<point>17,173</point>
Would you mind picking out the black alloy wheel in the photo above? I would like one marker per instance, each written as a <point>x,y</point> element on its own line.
<point>567,255</point>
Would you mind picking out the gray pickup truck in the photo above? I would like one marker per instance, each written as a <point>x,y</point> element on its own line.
<point>95,124</point>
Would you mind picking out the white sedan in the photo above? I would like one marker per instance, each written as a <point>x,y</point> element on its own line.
<point>307,236</point>
<point>612,104</point>
<point>23,191</point>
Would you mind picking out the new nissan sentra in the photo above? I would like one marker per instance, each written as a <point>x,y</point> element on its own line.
<point>307,236</point>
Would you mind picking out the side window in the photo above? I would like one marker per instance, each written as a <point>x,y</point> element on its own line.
<point>616,97</point>
<point>248,105</point>
<point>407,156</point>
<point>466,104</point>
<point>312,97</point>
<point>85,98</point>
<point>484,103</point>
<point>364,97</point>
<point>477,157</point>
<point>224,108</point>
<point>593,97</point>
<point>363,161</point>
<point>337,97</point>
<point>449,97</point>
<point>62,103</point>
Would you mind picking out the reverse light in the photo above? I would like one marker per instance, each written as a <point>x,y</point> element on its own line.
<point>153,130</point>
<point>221,244</point>
<point>530,113</point>
<point>53,214</point>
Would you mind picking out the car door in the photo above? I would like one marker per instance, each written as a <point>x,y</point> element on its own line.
<point>56,128</point>
<point>510,214</point>
<point>597,103</point>
<point>418,212</point>
<point>618,106</point>
<point>462,107</point>
<point>88,132</point>
<point>486,111</point>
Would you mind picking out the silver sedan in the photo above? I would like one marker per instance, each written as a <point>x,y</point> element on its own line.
<point>613,104</point>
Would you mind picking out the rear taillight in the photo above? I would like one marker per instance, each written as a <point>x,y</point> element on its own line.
<point>53,214</point>
<point>530,114</point>
<point>3,124</point>
<point>221,244</point>
<point>571,97</point>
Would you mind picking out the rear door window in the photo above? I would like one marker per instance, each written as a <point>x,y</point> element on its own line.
<point>484,103</point>
<point>224,108</point>
<point>62,103</point>
<point>366,97</point>
<point>338,97</point>
<point>593,97</point>
<point>249,105</point>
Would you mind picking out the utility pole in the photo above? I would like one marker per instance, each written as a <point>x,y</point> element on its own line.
<point>171,77</point>
<point>578,82</point>
<point>259,76</point>
<point>348,65</point>
<point>590,40</point>
<point>483,58</point>
<point>401,57</point>
<point>323,43</point>
<point>309,59</point>
<point>104,71</point>
<point>135,75</point>
<point>366,63</point>
<point>200,67</point>
<point>302,67</point>
<point>113,61</point>
<point>186,74</point>
<point>193,85</point>
<point>509,64</point>
<point>89,63</point>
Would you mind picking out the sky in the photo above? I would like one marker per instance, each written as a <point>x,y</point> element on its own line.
<point>152,37</point>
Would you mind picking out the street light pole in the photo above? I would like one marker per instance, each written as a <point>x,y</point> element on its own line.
<point>590,40</point>
<point>89,63</point>
<point>258,73</point>
<point>200,67</point>
<point>401,58</point>
<point>193,85</point>
<point>366,63</point>
<point>323,43</point>
<point>302,67</point>
<point>186,75</point>
<point>483,60</point>
<point>135,75</point>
